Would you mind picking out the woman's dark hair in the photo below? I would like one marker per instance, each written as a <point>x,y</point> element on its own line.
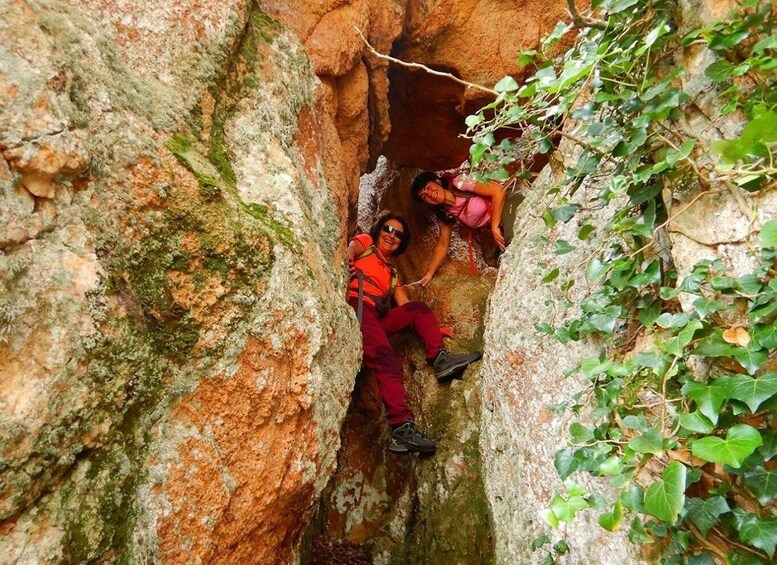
<point>418,185</point>
<point>403,243</point>
<point>420,182</point>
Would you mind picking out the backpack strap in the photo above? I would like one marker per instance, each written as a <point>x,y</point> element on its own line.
<point>394,275</point>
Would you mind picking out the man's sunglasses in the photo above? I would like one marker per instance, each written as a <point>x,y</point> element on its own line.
<point>391,230</point>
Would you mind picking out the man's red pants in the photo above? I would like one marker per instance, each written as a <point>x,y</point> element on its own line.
<point>379,356</point>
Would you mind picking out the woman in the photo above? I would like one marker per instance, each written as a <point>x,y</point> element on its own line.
<point>464,200</point>
<point>373,287</point>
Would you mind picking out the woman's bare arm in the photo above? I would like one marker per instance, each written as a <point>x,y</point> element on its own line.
<point>440,251</point>
<point>496,193</point>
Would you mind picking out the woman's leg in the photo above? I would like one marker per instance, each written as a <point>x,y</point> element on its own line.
<point>379,356</point>
<point>422,319</point>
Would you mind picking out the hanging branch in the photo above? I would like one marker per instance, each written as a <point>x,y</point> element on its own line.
<point>380,55</point>
<point>581,21</point>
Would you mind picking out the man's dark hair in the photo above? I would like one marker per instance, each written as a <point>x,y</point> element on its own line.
<point>403,243</point>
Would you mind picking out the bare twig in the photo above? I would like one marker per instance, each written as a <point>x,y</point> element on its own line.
<point>580,142</point>
<point>747,212</point>
<point>705,542</point>
<point>581,21</point>
<point>739,545</point>
<point>674,217</point>
<point>663,393</point>
<point>380,55</point>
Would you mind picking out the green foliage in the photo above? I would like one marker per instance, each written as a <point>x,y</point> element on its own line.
<point>614,95</point>
<point>666,497</point>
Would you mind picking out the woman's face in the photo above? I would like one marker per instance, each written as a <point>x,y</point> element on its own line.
<point>389,237</point>
<point>432,193</point>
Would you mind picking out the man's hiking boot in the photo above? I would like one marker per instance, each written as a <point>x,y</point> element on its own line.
<point>447,365</point>
<point>406,437</point>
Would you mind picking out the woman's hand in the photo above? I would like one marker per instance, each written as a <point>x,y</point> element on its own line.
<point>427,278</point>
<point>499,238</point>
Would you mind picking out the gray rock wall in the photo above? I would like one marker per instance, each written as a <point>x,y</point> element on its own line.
<point>175,352</point>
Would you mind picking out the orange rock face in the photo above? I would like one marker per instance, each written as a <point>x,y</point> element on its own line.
<point>241,484</point>
<point>415,119</point>
<point>475,40</point>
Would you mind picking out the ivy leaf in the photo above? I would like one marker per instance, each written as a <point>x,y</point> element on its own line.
<point>749,285</point>
<point>580,433</point>
<point>736,557</point>
<point>594,270</point>
<point>701,559</point>
<point>753,391</point>
<point>635,422</point>
<point>714,346</point>
<point>620,5</point>
<point>657,362</point>
<point>544,328</point>
<point>561,547</point>
<point>769,448</point>
<point>585,232</point>
<point>566,509</point>
<point>611,466</point>
<point>755,531</point>
<point>551,275</point>
<point>665,498</point>
<point>539,542</point>
<point>708,399</point>
<point>751,359</point>
<point>769,234</point>
<point>564,213</point>
<point>649,315</point>
<point>637,532</point>
<point>696,422</point>
<point>632,499</point>
<point>769,42</point>
<point>763,484</point>
<point>473,120</point>
<point>676,345</point>
<point>565,463</point>
<point>741,440</point>
<point>593,366</point>
<point>611,521</point>
<point>672,321</point>
<point>650,441</point>
<point>766,336</point>
<point>526,57</point>
<point>705,307</point>
<point>763,311</point>
<point>719,71</point>
<point>507,84</point>
<point>563,247</point>
<point>705,513</point>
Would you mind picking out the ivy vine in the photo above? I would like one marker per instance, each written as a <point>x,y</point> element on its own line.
<point>685,429</point>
